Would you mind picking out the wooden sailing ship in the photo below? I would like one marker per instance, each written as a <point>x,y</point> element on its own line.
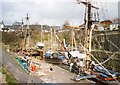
<point>92,70</point>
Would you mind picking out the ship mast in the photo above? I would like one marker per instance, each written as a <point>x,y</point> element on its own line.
<point>88,27</point>
<point>41,34</point>
<point>88,23</point>
<point>22,36</point>
<point>27,38</point>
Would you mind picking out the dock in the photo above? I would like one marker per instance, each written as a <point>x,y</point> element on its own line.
<point>57,75</point>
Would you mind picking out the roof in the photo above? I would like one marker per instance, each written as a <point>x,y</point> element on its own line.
<point>107,22</point>
<point>116,20</point>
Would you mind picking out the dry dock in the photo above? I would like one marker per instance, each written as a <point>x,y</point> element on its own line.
<point>57,75</point>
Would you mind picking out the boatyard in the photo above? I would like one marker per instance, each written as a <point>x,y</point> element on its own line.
<point>52,54</point>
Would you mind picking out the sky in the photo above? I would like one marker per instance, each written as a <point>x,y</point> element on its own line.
<point>53,12</point>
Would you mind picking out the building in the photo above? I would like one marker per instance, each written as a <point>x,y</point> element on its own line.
<point>8,28</point>
<point>1,25</point>
<point>115,24</point>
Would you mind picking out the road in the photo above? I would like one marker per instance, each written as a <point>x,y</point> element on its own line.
<point>13,67</point>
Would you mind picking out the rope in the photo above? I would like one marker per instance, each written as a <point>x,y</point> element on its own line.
<point>105,69</point>
<point>102,11</point>
<point>102,47</point>
<point>106,53</point>
<point>102,66</point>
<point>104,61</point>
<point>107,59</point>
<point>112,44</point>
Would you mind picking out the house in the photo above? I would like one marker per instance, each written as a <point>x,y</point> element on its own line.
<point>11,30</point>
<point>1,25</point>
<point>8,28</point>
<point>4,29</point>
<point>106,24</point>
<point>115,24</point>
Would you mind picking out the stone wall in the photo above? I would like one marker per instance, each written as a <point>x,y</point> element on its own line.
<point>107,40</point>
<point>104,45</point>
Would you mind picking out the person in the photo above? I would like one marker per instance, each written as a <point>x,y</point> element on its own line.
<point>71,65</point>
<point>69,55</point>
<point>81,65</point>
<point>92,65</point>
<point>52,56</point>
<point>51,69</point>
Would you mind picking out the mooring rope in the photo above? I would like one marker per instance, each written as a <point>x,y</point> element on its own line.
<point>102,66</point>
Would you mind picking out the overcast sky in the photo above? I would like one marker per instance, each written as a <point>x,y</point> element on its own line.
<point>53,12</point>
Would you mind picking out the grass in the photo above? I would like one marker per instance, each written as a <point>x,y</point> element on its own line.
<point>9,78</point>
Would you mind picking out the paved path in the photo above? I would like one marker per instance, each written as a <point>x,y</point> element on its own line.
<point>17,71</point>
<point>58,75</point>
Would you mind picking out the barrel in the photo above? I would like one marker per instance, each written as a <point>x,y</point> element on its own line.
<point>47,55</point>
<point>33,68</point>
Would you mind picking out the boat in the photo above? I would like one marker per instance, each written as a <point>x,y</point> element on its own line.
<point>92,70</point>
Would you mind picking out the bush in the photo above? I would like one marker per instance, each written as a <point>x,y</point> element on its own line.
<point>10,38</point>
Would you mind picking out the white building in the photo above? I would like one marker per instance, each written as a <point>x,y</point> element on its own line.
<point>11,30</point>
<point>8,29</point>
<point>115,24</point>
<point>1,25</point>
